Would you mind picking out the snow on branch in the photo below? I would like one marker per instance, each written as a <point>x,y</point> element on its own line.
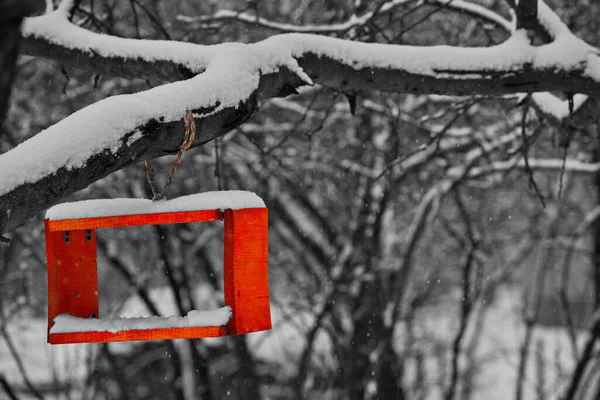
<point>255,20</point>
<point>552,23</point>
<point>497,69</point>
<point>479,12</point>
<point>54,36</point>
<point>352,22</point>
<point>225,81</point>
<point>551,165</point>
<point>567,55</point>
<point>556,108</point>
<point>120,120</point>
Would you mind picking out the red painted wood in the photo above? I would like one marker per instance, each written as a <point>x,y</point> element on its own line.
<point>138,334</point>
<point>72,275</point>
<point>246,280</point>
<point>135,220</point>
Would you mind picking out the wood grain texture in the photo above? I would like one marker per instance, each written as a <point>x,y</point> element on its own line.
<point>138,334</point>
<point>72,275</point>
<point>135,220</point>
<point>246,284</point>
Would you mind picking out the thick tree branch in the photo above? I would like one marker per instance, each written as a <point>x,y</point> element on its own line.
<point>157,139</point>
<point>230,78</point>
<point>451,81</point>
<point>128,67</point>
<point>53,36</point>
<point>512,66</point>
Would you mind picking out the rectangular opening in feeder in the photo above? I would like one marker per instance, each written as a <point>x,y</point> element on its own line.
<point>73,314</point>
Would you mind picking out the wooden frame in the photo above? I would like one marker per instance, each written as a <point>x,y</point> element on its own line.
<point>73,273</point>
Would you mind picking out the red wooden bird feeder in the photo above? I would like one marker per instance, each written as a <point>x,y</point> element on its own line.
<point>73,272</point>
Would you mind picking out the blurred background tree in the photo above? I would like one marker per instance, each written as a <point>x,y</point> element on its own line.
<point>421,246</point>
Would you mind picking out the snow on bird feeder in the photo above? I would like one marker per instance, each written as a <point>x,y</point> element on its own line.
<point>73,314</point>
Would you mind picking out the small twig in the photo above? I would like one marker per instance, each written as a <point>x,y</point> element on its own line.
<point>525,152</point>
<point>561,176</point>
<point>217,170</point>
<point>563,298</point>
<point>150,179</point>
<point>63,70</point>
<point>437,9</point>
<point>7,389</point>
<point>468,298</point>
<point>136,21</point>
<point>465,313</point>
<point>155,21</point>
<point>73,9</point>
<point>566,144</point>
<point>586,355</point>
<point>432,145</point>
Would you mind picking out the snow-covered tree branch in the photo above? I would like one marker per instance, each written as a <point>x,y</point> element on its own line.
<point>431,170</point>
<point>223,84</point>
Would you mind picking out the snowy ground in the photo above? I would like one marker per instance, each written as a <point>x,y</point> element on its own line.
<point>496,356</point>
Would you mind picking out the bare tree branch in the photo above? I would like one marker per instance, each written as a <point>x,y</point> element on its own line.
<point>20,365</point>
<point>277,64</point>
<point>468,298</point>
<point>255,20</point>
<point>586,355</point>
<point>12,13</point>
<point>7,388</point>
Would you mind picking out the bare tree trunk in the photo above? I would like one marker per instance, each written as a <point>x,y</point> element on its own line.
<point>12,13</point>
<point>596,236</point>
<point>248,386</point>
<point>7,388</point>
<point>390,374</point>
<point>188,370</point>
<point>587,353</point>
<point>116,371</point>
